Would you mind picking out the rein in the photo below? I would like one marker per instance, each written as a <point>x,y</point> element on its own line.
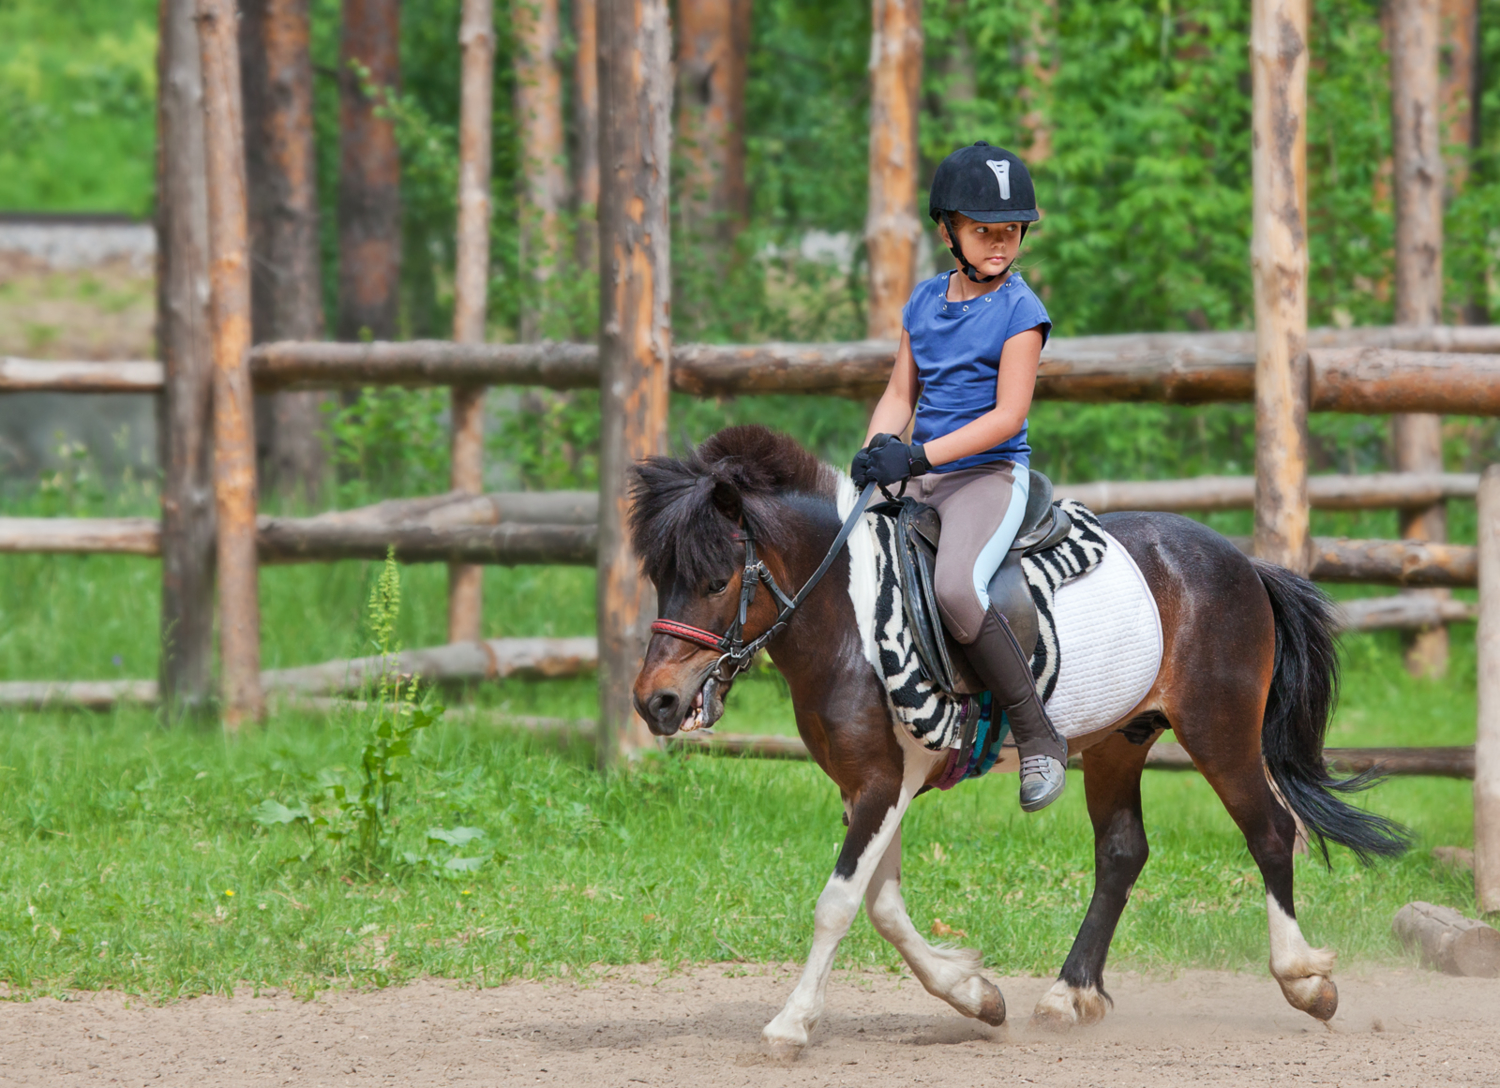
<point>734,652</point>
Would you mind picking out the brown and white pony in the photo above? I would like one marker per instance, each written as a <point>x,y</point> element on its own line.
<point>1248,678</point>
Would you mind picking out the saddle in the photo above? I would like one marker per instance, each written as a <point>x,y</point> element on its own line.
<point>918,533</point>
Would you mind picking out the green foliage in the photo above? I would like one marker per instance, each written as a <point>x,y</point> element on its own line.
<point>77,105</point>
<point>389,441</point>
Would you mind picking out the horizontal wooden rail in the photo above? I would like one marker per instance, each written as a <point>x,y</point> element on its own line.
<point>1202,494</point>
<point>505,528</point>
<point>47,376</point>
<point>1435,762</point>
<point>81,536</point>
<point>291,540</point>
<point>452,536</point>
<point>1353,370</point>
<point>1404,612</point>
<point>492,659</point>
<point>1389,562</point>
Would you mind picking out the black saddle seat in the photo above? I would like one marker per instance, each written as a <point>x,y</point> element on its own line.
<point>920,531</point>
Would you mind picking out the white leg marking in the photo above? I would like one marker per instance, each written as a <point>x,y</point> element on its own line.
<point>1305,973</point>
<point>952,974</point>
<point>837,906</point>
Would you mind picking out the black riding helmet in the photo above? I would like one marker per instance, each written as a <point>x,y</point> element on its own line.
<point>988,184</point>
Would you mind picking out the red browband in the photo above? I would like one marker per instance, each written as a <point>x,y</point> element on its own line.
<point>688,633</point>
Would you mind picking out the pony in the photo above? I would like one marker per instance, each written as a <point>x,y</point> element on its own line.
<point>1248,679</point>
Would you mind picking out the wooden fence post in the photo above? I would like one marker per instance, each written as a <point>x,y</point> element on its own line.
<point>476,37</point>
<point>635,338</point>
<point>891,224</point>
<point>187,497</point>
<point>234,414</point>
<point>1417,152</point>
<point>1487,735</point>
<point>1278,259</point>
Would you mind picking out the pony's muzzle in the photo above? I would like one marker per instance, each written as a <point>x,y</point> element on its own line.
<point>662,711</point>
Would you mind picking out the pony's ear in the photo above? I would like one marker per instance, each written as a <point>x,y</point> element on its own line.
<point>727,500</point>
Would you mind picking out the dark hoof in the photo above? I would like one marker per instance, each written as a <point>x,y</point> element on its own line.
<point>992,1008</point>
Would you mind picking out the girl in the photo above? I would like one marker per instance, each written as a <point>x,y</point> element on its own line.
<point>967,364</point>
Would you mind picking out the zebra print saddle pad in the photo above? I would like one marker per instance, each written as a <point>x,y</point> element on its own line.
<point>1095,614</point>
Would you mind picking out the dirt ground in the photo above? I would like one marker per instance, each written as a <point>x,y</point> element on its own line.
<point>702,1028</point>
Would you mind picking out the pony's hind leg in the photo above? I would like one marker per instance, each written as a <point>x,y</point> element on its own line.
<point>1112,786</point>
<point>953,974</point>
<point>1228,754</point>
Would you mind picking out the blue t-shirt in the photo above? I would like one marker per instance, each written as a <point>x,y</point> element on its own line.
<point>957,347</point>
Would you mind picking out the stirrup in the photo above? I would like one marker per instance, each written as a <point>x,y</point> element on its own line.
<point>1043,779</point>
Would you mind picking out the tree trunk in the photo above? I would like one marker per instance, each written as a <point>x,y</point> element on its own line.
<point>183,335</point>
<point>234,428</point>
<point>635,340</point>
<point>713,43</point>
<point>1278,260</point>
<point>544,188</point>
<point>471,281</point>
<point>369,208</point>
<point>1417,439</point>
<point>586,125</point>
<point>1462,87</point>
<point>286,288</point>
<point>891,224</point>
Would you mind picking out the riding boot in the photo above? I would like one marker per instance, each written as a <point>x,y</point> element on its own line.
<point>1005,670</point>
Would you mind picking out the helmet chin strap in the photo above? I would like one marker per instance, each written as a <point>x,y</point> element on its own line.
<point>957,251</point>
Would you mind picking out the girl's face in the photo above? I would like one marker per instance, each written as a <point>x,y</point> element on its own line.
<point>990,247</point>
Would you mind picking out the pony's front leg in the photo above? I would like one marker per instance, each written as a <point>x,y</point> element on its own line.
<point>952,974</point>
<point>874,820</point>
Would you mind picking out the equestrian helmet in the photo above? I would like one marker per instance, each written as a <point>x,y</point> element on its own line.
<point>986,183</point>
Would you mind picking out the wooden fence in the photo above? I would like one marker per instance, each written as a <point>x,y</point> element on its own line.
<point>1285,368</point>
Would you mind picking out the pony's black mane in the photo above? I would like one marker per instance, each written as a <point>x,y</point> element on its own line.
<point>683,510</point>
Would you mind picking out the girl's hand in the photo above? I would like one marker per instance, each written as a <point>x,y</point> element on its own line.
<point>887,461</point>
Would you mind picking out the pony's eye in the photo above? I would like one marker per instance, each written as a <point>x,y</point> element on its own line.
<point>717,586</point>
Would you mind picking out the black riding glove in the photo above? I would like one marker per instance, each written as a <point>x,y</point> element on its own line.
<point>888,461</point>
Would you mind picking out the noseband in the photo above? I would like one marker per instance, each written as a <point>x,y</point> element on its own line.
<point>734,652</point>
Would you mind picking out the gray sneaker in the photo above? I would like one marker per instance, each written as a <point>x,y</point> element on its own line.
<point>1043,779</point>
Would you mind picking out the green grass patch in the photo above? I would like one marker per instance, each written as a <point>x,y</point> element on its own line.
<point>132,860</point>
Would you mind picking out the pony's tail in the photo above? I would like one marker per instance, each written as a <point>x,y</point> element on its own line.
<point>1304,689</point>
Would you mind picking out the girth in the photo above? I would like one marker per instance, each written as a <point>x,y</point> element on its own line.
<point>919,532</point>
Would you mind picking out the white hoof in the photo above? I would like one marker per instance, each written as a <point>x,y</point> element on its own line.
<point>1064,1007</point>
<point>786,1036</point>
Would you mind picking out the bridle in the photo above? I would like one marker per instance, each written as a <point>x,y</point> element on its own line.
<point>734,652</point>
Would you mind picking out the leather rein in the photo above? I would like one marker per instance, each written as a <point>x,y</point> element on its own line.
<point>734,652</point>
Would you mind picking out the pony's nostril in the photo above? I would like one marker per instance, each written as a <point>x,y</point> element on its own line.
<point>663,707</point>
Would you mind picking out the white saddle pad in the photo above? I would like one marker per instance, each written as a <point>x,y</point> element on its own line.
<point>1110,633</point>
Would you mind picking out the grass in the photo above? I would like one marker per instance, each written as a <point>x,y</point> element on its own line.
<point>131,858</point>
<point>132,862</point>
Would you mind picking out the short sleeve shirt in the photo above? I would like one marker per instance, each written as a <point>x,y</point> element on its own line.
<point>957,347</point>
